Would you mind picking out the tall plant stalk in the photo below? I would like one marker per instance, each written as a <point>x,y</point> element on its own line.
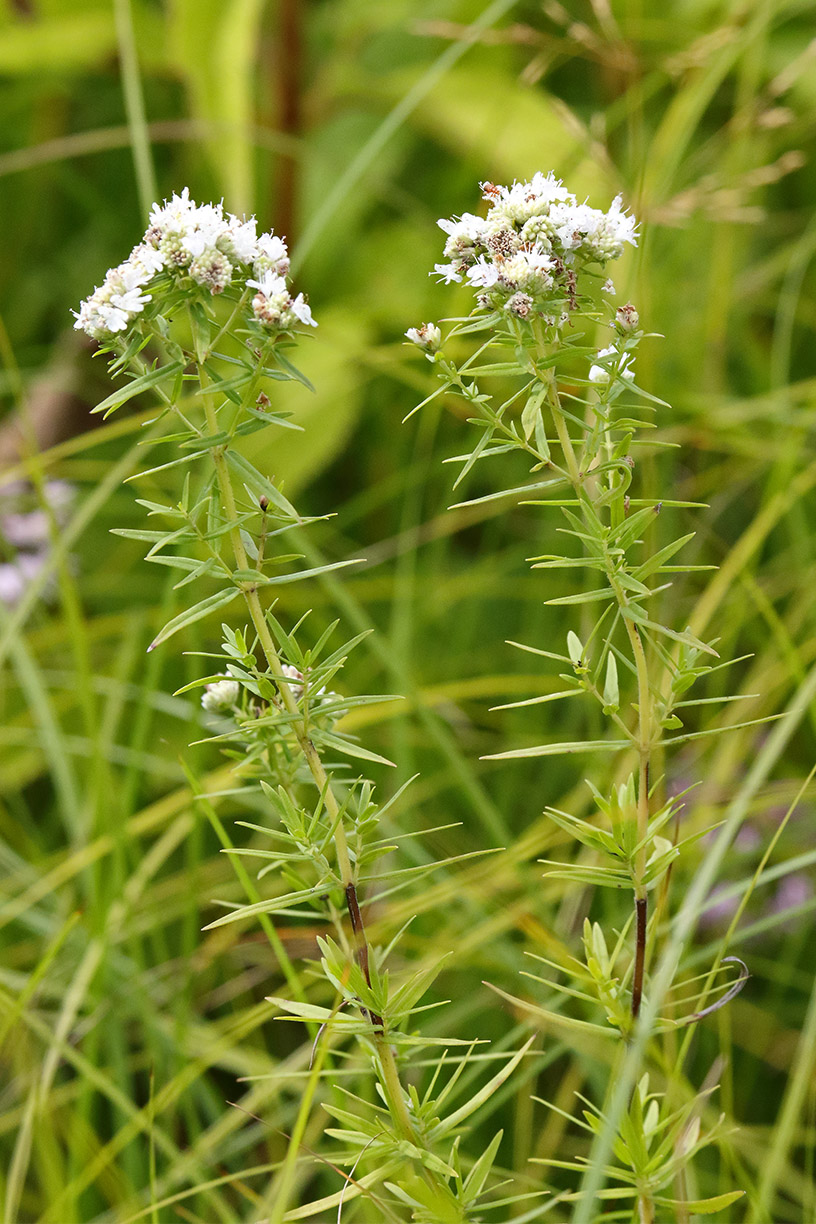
<point>184,319</point>
<point>535,383</point>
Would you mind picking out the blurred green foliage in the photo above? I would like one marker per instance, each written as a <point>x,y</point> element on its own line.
<point>351,127</point>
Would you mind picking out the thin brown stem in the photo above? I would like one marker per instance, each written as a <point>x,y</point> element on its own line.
<point>644,749</point>
<point>358,930</point>
<point>640,954</point>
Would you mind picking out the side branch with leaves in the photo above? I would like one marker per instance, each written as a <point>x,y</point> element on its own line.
<point>534,382</point>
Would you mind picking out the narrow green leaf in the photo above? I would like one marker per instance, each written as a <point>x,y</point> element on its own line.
<point>136,386</point>
<point>657,561</point>
<point>280,579</point>
<point>558,749</point>
<point>147,537</point>
<point>705,1206</point>
<point>531,413</point>
<point>695,735</point>
<point>485,1093</point>
<point>603,877</point>
<point>304,1011</point>
<point>520,489</point>
<point>529,701</point>
<point>189,615</point>
<point>688,639</point>
<point>476,452</point>
<point>289,368</point>
<point>412,991</point>
<point>556,1018</point>
<point>259,484</point>
<point>583,597</point>
<point>165,467</point>
<point>349,748</point>
<point>478,1175</point>
<point>631,527</point>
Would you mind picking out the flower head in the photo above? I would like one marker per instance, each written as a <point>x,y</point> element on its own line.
<point>525,254</point>
<point>198,245</point>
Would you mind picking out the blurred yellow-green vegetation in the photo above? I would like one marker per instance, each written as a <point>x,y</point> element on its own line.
<point>143,1075</point>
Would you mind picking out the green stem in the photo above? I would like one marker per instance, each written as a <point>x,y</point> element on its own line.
<point>393,1087</point>
<point>255,610</point>
<point>645,1208</point>
<point>390,1075</point>
<point>644,731</point>
<point>566,443</point>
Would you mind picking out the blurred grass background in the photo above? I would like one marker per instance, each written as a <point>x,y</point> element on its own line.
<point>350,127</point>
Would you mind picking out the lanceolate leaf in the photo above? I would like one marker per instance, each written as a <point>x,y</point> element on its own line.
<point>260,484</point>
<point>584,1027</point>
<point>559,749</point>
<point>688,639</point>
<point>484,1094</point>
<point>189,615</point>
<point>706,1206</point>
<point>583,597</point>
<point>136,386</point>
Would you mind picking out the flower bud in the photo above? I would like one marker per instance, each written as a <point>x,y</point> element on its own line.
<point>626,318</point>
<point>427,337</point>
<point>520,304</point>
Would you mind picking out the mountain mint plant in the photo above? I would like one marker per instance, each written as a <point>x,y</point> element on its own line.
<point>201,315</point>
<point>536,383</point>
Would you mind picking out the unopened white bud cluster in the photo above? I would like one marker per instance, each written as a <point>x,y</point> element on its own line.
<point>220,695</point>
<point>529,248</point>
<point>207,247</point>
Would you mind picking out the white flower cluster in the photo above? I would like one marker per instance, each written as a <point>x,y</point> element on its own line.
<point>531,244</point>
<point>220,695</point>
<point>213,249</point>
